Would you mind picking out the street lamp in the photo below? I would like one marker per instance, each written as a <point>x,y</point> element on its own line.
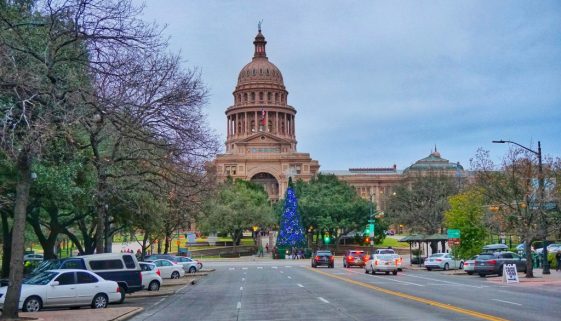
<point>540,193</point>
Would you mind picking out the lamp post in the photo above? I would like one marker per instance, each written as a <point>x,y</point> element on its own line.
<point>371,225</point>
<point>540,193</point>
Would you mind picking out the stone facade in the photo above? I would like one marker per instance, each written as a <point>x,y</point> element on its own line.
<point>261,140</point>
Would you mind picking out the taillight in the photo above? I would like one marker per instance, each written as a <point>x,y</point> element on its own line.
<point>158,272</point>
<point>376,262</point>
<point>316,258</point>
<point>118,289</point>
<point>366,258</point>
<point>438,260</point>
<point>493,262</point>
<point>331,258</point>
<point>349,258</point>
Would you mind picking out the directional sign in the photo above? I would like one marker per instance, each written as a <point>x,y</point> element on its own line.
<point>453,234</point>
<point>371,229</point>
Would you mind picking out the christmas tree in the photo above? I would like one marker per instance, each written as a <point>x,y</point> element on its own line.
<point>291,233</point>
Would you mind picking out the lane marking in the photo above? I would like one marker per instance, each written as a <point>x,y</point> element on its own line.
<point>388,279</point>
<point>160,301</point>
<point>300,285</point>
<point>260,268</point>
<point>243,279</point>
<point>514,303</point>
<point>440,305</point>
<point>323,300</point>
<point>441,281</point>
<point>281,272</point>
<point>231,269</point>
<point>288,266</point>
<point>239,306</point>
<point>274,267</point>
<point>244,268</point>
<point>241,288</point>
<point>245,273</point>
<point>289,277</point>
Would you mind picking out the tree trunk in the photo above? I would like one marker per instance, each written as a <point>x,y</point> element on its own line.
<point>528,252</point>
<point>18,236</point>
<point>6,245</point>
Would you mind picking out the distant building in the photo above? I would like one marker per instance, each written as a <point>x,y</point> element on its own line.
<point>261,140</point>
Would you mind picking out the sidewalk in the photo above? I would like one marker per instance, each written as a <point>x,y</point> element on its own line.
<point>109,314</point>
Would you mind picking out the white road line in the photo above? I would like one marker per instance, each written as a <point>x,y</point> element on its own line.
<point>300,285</point>
<point>514,303</point>
<point>160,301</point>
<point>441,281</point>
<point>260,268</point>
<point>387,278</point>
<point>274,267</point>
<point>281,272</point>
<point>244,268</point>
<point>231,269</point>
<point>245,273</point>
<point>239,306</point>
<point>289,277</point>
<point>241,288</point>
<point>288,266</point>
<point>323,300</point>
<point>243,279</point>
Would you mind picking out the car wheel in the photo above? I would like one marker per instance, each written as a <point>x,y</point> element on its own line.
<point>344,265</point>
<point>331,266</point>
<point>175,275</point>
<point>99,301</point>
<point>123,292</point>
<point>200,265</point>
<point>446,266</point>
<point>481,275</point>
<point>461,265</point>
<point>470,272</point>
<point>428,269</point>
<point>192,269</point>
<point>387,272</point>
<point>154,286</point>
<point>366,270</point>
<point>32,304</point>
<point>394,272</point>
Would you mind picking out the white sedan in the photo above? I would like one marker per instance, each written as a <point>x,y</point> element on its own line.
<point>169,269</point>
<point>443,261</point>
<point>65,288</point>
<point>382,263</point>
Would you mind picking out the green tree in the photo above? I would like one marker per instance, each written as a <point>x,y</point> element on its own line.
<point>328,205</point>
<point>237,206</point>
<point>466,214</point>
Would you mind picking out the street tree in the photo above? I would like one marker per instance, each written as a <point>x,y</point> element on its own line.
<point>237,206</point>
<point>327,204</point>
<point>420,203</point>
<point>466,213</point>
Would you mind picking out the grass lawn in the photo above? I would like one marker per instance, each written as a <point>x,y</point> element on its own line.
<point>389,241</point>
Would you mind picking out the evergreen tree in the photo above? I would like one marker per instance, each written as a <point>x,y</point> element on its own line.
<point>291,233</point>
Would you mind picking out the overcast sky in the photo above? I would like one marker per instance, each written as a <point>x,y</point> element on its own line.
<point>380,83</point>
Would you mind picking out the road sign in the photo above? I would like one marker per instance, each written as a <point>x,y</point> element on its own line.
<point>453,234</point>
<point>510,274</point>
<point>454,241</point>
<point>371,230</point>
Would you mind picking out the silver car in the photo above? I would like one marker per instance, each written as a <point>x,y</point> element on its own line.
<point>469,265</point>
<point>189,265</point>
<point>382,263</point>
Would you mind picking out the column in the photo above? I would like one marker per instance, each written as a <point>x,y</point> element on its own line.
<point>285,125</point>
<point>246,127</point>
<point>277,122</point>
<point>228,126</point>
<point>267,121</point>
<point>256,128</point>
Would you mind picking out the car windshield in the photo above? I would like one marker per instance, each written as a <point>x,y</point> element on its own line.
<point>386,251</point>
<point>385,256</point>
<point>323,253</point>
<point>41,278</point>
<point>437,255</point>
<point>47,265</point>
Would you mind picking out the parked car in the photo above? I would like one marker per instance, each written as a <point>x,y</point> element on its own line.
<point>491,248</point>
<point>122,268</point>
<point>159,256</point>
<point>469,265</point>
<point>65,288</point>
<point>189,265</point>
<point>324,257</point>
<point>33,257</point>
<point>385,251</point>
<point>492,263</point>
<point>151,279</point>
<point>169,269</point>
<point>443,261</point>
<point>382,263</point>
<point>551,248</point>
<point>354,258</point>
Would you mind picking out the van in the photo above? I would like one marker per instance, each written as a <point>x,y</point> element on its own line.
<point>492,248</point>
<point>122,268</point>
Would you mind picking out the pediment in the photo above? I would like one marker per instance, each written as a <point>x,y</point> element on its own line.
<point>263,139</point>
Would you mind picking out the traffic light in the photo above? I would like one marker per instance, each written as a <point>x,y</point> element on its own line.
<point>367,239</point>
<point>326,238</point>
<point>367,230</point>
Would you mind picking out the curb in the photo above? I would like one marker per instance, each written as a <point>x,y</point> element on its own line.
<point>128,315</point>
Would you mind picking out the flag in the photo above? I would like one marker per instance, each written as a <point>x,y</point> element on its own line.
<point>263,113</point>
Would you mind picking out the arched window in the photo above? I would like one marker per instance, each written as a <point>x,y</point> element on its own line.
<point>252,97</point>
<point>276,97</point>
<point>239,98</point>
<point>245,97</point>
<point>253,126</point>
<point>261,96</point>
<point>269,97</point>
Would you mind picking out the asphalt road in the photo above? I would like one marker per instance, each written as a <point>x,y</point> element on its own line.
<point>290,290</point>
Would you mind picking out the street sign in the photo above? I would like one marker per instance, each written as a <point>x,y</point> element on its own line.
<point>454,241</point>
<point>510,274</point>
<point>453,234</point>
<point>371,230</point>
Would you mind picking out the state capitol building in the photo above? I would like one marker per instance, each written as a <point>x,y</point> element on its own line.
<point>261,140</point>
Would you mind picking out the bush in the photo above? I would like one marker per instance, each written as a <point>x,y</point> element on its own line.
<point>552,260</point>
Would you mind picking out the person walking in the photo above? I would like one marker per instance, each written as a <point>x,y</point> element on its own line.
<point>558,258</point>
<point>267,247</point>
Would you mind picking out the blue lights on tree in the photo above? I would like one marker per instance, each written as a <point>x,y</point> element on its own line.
<point>291,233</point>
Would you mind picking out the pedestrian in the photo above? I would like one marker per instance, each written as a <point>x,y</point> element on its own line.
<point>558,258</point>
<point>260,251</point>
<point>138,254</point>
<point>267,248</point>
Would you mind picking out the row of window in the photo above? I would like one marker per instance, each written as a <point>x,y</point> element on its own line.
<point>251,97</point>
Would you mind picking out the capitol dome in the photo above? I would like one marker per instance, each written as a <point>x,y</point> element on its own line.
<point>260,69</point>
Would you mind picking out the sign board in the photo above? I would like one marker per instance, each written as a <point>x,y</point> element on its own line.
<point>454,241</point>
<point>212,240</point>
<point>371,229</point>
<point>191,237</point>
<point>510,274</point>
<point>453,234</point>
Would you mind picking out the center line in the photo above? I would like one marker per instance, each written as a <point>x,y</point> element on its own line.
<point>300,285</point>
<point>281,272</point>
<point>514,303</point>
<point>239,306</point>
<point>323,300</point>
<point>241,288</point>
<point>260,268</point>
<point>289,277</point>
<point>244,268</point>
<point>243,279</point>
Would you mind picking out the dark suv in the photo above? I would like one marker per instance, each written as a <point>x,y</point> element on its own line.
<point>323,258</point>
<point>354,258</point>
<point>492,263</point>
